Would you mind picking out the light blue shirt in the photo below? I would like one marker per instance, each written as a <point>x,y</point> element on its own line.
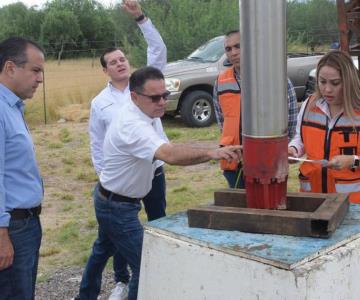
<point>20,181</point>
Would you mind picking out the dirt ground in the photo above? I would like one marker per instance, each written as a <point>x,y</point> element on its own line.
<point>64,285</point>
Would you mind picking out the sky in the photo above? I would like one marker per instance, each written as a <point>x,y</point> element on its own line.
<point>29,3</point>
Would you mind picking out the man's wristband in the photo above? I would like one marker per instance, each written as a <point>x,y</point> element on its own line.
<point>140,18</point>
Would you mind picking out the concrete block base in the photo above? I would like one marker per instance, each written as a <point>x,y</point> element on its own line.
<point>182,263</point>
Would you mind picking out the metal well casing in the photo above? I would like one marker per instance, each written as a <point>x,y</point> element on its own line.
<point>263,68</point>
<point>264,111</point>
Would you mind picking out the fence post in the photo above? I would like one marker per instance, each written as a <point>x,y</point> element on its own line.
<point>44,98</point>
<point>93,51</point>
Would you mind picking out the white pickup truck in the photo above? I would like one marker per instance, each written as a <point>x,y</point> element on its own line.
<point>191,80</point>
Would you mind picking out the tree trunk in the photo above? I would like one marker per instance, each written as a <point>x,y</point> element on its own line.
<point>60,52</point>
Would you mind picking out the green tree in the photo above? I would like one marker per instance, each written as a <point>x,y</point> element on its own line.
<point>82,25</point>
<point>17,20</point>
<point>94,20</point>
<point>60,28</point>
<point>183,24</point>
<point>312,22</point>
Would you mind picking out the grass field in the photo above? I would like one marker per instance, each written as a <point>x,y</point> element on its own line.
<point>68,87</point>
<point>63,153</point>
<point>68,218</point>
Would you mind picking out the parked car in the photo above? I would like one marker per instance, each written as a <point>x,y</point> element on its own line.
<point>310,85</point>
<point>191,81</point>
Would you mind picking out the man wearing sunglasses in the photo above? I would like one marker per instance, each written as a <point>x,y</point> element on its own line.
<point>132,148</point>
<point>104,108</point>
<point>227,100</point>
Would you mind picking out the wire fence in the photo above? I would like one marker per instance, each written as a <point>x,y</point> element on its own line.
<point>76,76</point>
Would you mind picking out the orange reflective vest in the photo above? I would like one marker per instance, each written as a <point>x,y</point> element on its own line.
<point>228,92</point>
<point>323,143</point>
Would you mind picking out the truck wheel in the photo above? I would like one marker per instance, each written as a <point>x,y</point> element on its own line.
<point>197,109</point>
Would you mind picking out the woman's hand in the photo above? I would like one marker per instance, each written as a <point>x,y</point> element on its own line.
<point>339,162</point>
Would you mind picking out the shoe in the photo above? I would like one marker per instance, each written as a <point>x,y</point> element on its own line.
<point>120,292</point>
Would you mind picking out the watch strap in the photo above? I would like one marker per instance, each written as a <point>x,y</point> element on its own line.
<point>356,161</point>
<point>140,18</point>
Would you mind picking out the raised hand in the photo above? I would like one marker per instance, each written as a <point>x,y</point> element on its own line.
<point>132,7</point>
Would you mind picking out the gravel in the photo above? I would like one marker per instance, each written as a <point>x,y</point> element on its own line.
<point>64,285</point>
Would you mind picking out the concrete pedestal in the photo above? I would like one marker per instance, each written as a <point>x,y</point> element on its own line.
<point>185,263</point>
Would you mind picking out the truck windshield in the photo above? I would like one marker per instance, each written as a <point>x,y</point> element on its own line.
<point>211,51</point>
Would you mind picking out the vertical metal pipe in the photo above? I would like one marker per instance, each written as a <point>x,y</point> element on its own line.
<point>264,108</point>
<point>263,68</point>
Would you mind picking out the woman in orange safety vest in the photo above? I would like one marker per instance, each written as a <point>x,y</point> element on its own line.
<point>328,129</point>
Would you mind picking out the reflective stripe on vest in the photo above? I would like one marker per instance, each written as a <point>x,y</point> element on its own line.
<point>228,92</point>
<point>347,187</point>
<point>316,117</point>
<point>225,87</point>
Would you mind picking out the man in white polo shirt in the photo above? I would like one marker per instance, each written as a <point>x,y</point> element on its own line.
<point>104,108</point>
<point>132,147</point>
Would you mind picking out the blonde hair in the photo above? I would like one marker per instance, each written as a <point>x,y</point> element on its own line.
<point>343,63</point>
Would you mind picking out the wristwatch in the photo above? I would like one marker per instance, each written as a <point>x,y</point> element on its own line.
<point>140,18</point>
<point>356,162</point>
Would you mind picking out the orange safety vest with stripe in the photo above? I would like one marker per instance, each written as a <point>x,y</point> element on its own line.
<point>228,93</point>
<point>320,142</point>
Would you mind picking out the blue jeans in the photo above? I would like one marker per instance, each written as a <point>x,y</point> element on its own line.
<point>119,230</point>
<point>155,200</point>
<point>18,281</point>
<point>232,176</point>
<point>155,206</point>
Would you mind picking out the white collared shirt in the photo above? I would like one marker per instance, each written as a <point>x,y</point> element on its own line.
<point>323,106</point>
<point>105,106</point>
<point>129,150</point>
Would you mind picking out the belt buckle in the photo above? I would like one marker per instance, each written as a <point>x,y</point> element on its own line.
<point>103,196</point>
<point>34,211</point>
<point>30,212</point>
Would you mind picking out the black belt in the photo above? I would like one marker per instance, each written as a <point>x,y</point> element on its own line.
<point>116,197</point>
<point>23,213</point>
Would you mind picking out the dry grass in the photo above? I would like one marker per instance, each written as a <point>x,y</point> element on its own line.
<point>69,87</point>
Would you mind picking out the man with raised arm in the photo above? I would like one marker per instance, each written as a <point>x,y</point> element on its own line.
<point>105,107</point>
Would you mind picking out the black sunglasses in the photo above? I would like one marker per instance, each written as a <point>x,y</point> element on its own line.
<point>156,98</point>
<point>228,48</point>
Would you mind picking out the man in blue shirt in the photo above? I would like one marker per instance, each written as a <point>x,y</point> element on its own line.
<point>21,188</point>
